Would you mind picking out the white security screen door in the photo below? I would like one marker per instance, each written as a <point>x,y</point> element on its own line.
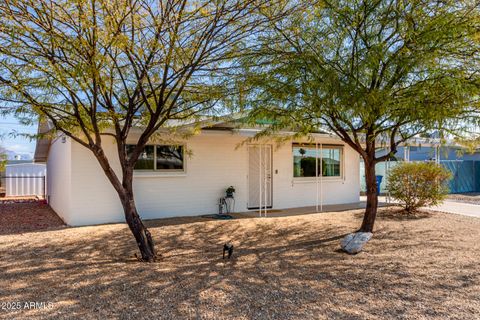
<point>259,176</point>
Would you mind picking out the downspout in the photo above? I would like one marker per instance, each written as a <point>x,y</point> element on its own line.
<point>260,181</point>
<point>321,177</point>
<point>387,169</point>
<point>265,180</point>
<point>316,173</point>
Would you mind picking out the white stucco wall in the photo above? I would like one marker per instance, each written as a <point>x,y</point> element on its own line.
<point>59,177</point>
<point>289,192</point>
<point>216,161</point>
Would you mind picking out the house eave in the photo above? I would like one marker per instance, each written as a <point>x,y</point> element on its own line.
<point>43,143</point>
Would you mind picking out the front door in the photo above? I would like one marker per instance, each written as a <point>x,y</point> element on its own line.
<point>259,176</point>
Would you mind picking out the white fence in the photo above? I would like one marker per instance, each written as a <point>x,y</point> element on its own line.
<point>25,180</point>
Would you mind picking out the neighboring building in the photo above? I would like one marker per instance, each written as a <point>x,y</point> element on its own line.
<point>189,177</point>
<point>428,153</point>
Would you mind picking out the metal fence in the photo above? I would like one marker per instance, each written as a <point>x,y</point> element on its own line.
<point>465,175</point>
<point>22,186</point>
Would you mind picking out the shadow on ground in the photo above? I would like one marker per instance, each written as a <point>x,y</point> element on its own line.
<point>283,268</point>
<point>396,213</point>
<point>26,217</point>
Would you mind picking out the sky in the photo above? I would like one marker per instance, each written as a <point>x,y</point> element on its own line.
<point>20,145</point>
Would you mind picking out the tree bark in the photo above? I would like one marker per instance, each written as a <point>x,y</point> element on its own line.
<point>124,190</point>
<point>372,198</point>
<point>140,232</point>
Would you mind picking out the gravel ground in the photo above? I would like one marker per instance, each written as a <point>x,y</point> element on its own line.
<point>473,198</point>
<point>423,267</point>
<point>25,215</point>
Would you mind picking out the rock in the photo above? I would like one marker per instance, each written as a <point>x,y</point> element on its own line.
<point>354,242</point>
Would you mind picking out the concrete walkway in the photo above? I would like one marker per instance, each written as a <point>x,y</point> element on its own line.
<point>306,210</point>
<point>448,206</point>
<point>466,209</point>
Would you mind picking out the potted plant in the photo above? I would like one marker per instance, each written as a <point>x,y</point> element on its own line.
<point>230,191</point>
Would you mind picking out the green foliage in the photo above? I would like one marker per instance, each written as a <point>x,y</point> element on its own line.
<point>418,184</point>
<point>96,69</point>
<point>91,67</point>
<point>3,162</point>
<point>3,159</point>
<point>370,71</point>
<point>375,73</point>
<point>123,70</point>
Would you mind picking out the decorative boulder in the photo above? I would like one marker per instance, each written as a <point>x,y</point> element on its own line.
<point>354,242</point>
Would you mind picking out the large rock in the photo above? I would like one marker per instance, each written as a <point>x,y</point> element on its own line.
<point>354,242</point>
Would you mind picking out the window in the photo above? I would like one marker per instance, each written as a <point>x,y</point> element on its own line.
<point>159,158</point>
<point>327,157</point>
<point>331,159</point>
<point>146,158</point>
<point>169,158</point>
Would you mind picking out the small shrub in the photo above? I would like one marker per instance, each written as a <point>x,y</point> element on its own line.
<point>418,184</point>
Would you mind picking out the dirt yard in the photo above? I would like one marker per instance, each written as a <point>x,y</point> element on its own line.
<point>283,268</point>
<point>19,215</point>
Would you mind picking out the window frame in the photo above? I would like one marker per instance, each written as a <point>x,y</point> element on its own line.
<point>324,146</point>
<point>163,171</point>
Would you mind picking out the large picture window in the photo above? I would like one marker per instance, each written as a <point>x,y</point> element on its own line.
<point>328,158</point>
<point>160,158</point>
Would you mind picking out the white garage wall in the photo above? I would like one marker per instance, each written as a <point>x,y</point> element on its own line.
<point>217,161</point>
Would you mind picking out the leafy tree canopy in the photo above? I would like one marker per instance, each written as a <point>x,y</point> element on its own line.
<point>99,68</point>
<point>368,68</point>
<point>370,71</point>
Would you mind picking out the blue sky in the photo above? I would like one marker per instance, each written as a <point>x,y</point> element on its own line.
<point>10,125</point>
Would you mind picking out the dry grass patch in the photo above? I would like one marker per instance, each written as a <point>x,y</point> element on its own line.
<point>284,268</point>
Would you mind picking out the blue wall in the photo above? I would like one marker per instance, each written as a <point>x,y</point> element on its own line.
<point>464,166</point>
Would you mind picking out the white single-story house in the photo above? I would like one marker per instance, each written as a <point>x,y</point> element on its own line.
<point>189,176</point>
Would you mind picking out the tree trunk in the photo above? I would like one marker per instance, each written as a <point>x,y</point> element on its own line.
<point>125,192</point>
<point>372,198</point>
<point>140,232</point>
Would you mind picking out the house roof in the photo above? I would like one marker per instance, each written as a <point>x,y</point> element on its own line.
<point>233,123</point>
<point>43,143</point>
